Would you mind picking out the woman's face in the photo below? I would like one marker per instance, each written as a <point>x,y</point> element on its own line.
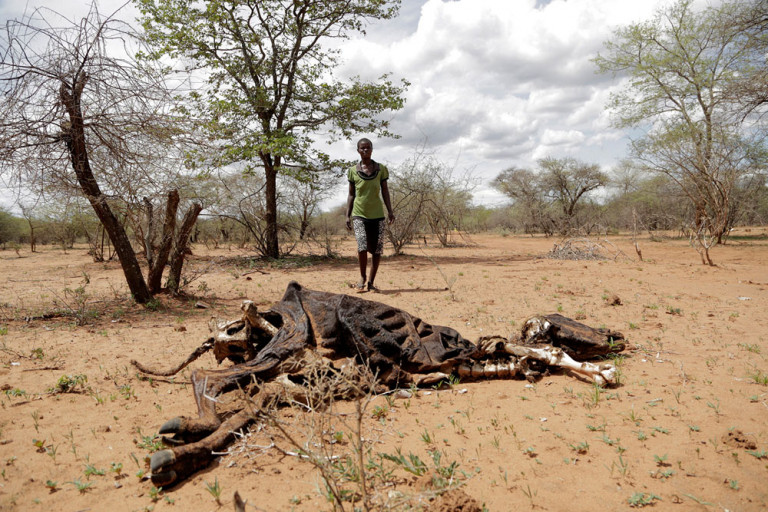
<point>365,149</point>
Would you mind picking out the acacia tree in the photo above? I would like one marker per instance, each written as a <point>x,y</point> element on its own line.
<point>750,87</point>
<point>566,181</point>
<point>78,113</point>
<point>680,68</point>
<point>558,184</point>
<point>523,188</point>
<point>270,84</point>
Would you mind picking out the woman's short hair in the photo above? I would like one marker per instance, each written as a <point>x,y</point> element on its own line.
<point>364,140</point>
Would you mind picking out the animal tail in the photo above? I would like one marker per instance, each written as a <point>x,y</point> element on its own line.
<point>202,349</point>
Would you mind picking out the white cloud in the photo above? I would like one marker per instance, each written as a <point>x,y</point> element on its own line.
<point>495,83</point>
<point>501,82</point>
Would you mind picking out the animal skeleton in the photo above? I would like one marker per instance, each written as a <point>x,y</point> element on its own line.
<point>400,350</point>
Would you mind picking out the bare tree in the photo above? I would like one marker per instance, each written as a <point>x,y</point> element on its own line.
<point>302,196</point>
<point>80,113</point>
<point>426,198</point>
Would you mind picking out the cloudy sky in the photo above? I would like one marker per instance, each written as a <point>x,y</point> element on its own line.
<point>494,83</point>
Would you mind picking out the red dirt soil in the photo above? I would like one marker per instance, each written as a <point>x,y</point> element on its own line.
<point>686,429</point>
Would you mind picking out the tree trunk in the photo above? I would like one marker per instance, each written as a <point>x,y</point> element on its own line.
<point>160,260</point>
<point>270,215</point>
<point>75,141</point>
<point>177,259</point>
<point>32,240</point>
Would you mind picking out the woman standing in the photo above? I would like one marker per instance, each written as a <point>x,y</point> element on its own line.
<point>365,212</point>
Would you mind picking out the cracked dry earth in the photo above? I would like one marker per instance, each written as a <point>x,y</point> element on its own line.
<point>686,429</point>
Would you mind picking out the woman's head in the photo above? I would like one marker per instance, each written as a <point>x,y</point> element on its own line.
<point>364,148</point>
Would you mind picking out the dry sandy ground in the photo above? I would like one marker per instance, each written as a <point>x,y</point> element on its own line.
<point>687,428</point>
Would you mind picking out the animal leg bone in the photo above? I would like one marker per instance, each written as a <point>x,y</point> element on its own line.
<point>553,356</point>
<point>255,320</point>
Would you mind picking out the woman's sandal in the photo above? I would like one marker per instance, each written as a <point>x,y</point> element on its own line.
<point>372,288</point>
<point>360,286</point>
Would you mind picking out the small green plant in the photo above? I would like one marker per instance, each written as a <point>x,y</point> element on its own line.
<point>153,304</point>
<point>427,437</point>
<point>91,470</point>
<point>15,392</point>
<point>582,447</point>
<point>762,454</point>
<point>82,487</point>
<point>674,311</point>
<point>623,466</point>
<point>117,469</point>
<point>154,494</point>
<point>750,348</point>
<point>52,485</point>
<point>593,399</point>
<point>661,460</point>
<point>530,494</point>
<point>51,451</point>
<point>412,464</point>
<point>641,499</point>
<point>759,377</point>
<point>39,444</point>
<point>380,412</point>
<point>151,443</point>
<point>214,489</point>
<point>70,384</point>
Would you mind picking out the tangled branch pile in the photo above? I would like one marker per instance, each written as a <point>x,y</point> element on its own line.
<point>577,249</point>
<point>585,249</point>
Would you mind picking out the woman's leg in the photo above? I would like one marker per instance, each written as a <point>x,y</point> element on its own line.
<point>362,258</point>
<point>375,259</point>
<point>377,252</point>
<point>362,254</point>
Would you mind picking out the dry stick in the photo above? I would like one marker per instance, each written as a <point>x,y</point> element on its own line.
<point>448,282</point>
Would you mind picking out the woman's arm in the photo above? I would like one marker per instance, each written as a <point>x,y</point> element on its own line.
<point>387,202</point>
<point>350,203</point>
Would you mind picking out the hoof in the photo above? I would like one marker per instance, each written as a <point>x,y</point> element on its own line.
<point>163,479</point>
<point>161,459</point>
<point>162,475</point>
<point>171,426</point>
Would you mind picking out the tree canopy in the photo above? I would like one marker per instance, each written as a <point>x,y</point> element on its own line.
<point>681,68</point>
<point>270,88</point>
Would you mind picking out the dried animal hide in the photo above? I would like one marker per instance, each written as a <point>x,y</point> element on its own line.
<point>398,348</point>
